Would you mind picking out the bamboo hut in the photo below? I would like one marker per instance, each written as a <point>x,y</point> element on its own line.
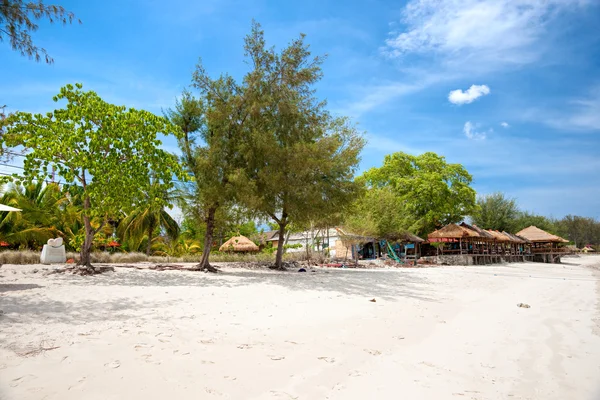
<point>240,244</point>
<point>455,239</point>
<point>544,246</point>
<point>482,244</point>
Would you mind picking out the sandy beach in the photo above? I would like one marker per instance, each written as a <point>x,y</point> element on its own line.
<point>432,333</point>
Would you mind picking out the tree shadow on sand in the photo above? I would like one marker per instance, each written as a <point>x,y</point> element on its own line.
<point>389,284</point>
<point>13,287</point>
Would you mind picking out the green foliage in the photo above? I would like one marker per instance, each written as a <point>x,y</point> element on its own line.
<point>428,192</point>
<point>146,221</point>
<point>495,211</point>
<point>580,230</point>
<point>210,143</point>
<point>378,213</point>
<point>109,151</point>
<point>18,21</point>
<point>299,160</point>
<point>526,219</point>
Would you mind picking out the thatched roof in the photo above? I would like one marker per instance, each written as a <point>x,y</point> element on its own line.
<point>514,238</point>
<point>239,243</point>
<point>405,237</point>
<point>535,234</point>
<point>499,237</point>
<point>452,231</point>
<point>482,232</point>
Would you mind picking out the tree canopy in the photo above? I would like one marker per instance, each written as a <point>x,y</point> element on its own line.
<point>109,151</point>
<point>429,192</point>
<point>299,160</point>
<point>495,211</point>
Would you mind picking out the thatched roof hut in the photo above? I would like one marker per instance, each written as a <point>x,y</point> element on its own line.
<point>239,244</point>
<point>499,237</point>
<point>536,235</point>
<point>482,232</point>
<point>452,231</point>
<point>405,237</point>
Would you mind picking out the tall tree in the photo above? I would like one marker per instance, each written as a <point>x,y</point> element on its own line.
<point>299,159</point>
<point>18,21</point>
<point>108,150</point>
<point>211,138</point>
<point>430,191</point>
<point>496,211</point>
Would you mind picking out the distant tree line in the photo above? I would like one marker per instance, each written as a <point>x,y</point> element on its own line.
<point>498,212</point>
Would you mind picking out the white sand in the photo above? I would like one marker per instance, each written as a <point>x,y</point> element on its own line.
<point>435,333</point>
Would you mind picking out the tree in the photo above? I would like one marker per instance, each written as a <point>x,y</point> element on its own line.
<point>17,22</point>
<point>109,151</point>
<point>495,211</point>
<point>527,219</point>
<point>580,230</point>
<point>211,136</point>
<point>41,205</point>
<point>148,218</point>
<point>300,161</point>
<point>378,213</point>
<point>429,191</point>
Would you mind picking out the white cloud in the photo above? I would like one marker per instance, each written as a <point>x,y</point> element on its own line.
<point>504,125</point>
<point>477,34</point>
<point>470,95</point>
<point>470,132</point>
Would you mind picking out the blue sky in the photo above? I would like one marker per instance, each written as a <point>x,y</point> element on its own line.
<point>508,88</point>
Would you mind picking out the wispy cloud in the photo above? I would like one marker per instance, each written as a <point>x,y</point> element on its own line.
<point>470,132</point>
<point>504,124</point>
<point>583,115</point>
<point>476,33</point>
<point>468,96</point>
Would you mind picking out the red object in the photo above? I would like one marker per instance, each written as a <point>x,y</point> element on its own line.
<point>4,244</point>
<point>114,244</point>
<point>70,261</point>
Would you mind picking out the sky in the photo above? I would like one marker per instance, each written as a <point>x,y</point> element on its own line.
<point>508,88</point>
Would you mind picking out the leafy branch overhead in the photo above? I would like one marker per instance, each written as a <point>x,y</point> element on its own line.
<point>18,20</point>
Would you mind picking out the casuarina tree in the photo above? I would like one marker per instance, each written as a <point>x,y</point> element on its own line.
<point>300,161</point>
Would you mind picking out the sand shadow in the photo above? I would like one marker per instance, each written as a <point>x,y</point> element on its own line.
<point>387,284</point>
<point>13,287</point>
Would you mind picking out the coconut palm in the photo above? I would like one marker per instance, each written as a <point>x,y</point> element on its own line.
<point>41,206</point>
<point>144,222</point>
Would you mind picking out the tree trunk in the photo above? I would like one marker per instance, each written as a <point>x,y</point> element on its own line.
<point>86,248</point>
<point>279,257</point>
<point>208,239</point>
<point>150,234</point>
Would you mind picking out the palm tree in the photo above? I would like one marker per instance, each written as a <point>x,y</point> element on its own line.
<point>41,206</point>
<point>144,221</point>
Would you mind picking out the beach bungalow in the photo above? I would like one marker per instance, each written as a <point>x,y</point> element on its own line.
<point>545,246</point>
<point>454,239</point>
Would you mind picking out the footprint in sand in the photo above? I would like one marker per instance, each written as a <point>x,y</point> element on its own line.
<point>329,360</point>
<point>373,352</point>
<point>25,378</point>
<point>114,364</point>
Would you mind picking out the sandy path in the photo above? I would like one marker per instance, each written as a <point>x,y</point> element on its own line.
<point>436,333</point>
